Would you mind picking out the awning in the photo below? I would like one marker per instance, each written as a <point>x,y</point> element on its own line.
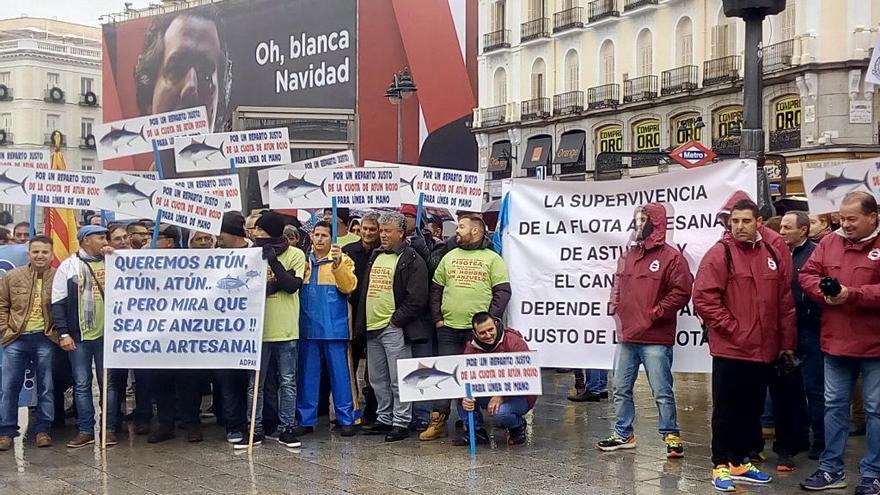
<point>571,147</point>
<point>537,152</point>
<point>499,160</point>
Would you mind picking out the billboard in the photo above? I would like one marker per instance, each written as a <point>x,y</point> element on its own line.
<point>264,53</point>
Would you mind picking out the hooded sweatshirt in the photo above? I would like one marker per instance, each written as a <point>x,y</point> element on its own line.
<point>653,282</point>
<point>511,341</point>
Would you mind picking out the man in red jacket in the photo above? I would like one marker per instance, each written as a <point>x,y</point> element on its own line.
<point>490,336</point>
<point>843,275</point>
<point>743,294</point>
<point>656,283</point>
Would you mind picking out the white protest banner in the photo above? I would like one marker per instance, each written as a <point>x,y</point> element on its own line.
<point>872,76</point>
<point>490,374</point>
<point>135,136</point>
<point>343,159</point>
<point>563,242</point>
<point>143,197</point>
<point>254,148</point>
<point>49,188</point>
<point>227,187</point>
<point>184,308</point>
<point>28,158</point>
<point>443,187</point>
<point>825,187</point>
<point>352,188</point>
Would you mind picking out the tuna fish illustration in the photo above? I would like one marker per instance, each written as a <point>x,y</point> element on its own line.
<point>295,187</point>
<point>252,274</point>
<point>118,138</point>
<point>196,150</point>
<point>426,377</point>
<point>230,283</point>
<point>834,187</point>
<point>123,192</point>
<point>409,183</point>
<point>7,183</point>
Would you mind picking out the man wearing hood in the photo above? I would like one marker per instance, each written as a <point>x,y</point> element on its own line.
<point>489,337</point>
<point>743,295</point>
<point>843,275</point>
<point>469,279</point>
<point>652,284</point>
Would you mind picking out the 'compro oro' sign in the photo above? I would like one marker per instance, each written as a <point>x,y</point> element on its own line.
<point>609,139</point>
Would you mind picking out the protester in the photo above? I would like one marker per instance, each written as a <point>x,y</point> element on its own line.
<point>281,328</point>
<point>490,336</point>
<point>232,232</point>
<point>118,237</point>
<point>469,279</point>
<point>355,226</point>
<point>249,224</point>
<point>820,226</point>
<point>168,238</point>
<point>5,237</point>
<point>21,233</point>
<point>28,334</point>
<point>78,315</point>
<point>435,225</point>
<point>410,212</point>
<point>202,240</point>
<point>292,235</point>
<point>744,339</point>
<point>329,278</point>
<point>343,236</point>
<point>138,235</point>
<point>590,385</point>
<point>652,284</point>
<point>843,275</point>
<point>94,220</point>
<point>393,300</point>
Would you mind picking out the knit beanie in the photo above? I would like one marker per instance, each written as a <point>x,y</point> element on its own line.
<point>233,224</point>
<point>272,223</point>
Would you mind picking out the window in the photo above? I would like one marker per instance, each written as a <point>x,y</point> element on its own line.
<point>788,21</point>
<point>684,42</point>
<point>86,127</point>
<point>538,71</point>
<point>85,85</point>
<point>53,122</point>
<point>723,37</point>
<point>6,121</point>
<point>500,86</point>
<point>572,75</point>
<point>53,80</point>
<point>87,164</point>
<point>5,77</point>
<point>498,15</point>
<point>606,58</point>
<point>645,53</point>
<point>536,9</point>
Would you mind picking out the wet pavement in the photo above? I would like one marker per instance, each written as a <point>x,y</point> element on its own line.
<point>559,458</point>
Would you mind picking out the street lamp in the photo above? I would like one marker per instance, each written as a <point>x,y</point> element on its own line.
<point>684,128</point>
<point>402,87</point>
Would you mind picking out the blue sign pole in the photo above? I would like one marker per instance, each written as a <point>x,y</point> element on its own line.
<point>33,217</point>
<point>156,228</point>
<point>472,435</point>
<point>158,160</point>
<point>334,221</point>
<point>232,165</point>
<point>420,210</point>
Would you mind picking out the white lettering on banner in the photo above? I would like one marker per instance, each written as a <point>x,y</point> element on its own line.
<point>253,148</point>
<point>227,187</point>
<point>443,188</point>
<point>136,135</point>
<point>352,187</point>
<point>185,308</point>
<point>343,159</point>
<point>10,157</point>
<point>827,186</point>
<point>489,374</point>
<point>50,188</point>
<point>566,238</point>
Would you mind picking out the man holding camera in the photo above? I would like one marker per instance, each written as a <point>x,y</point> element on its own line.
<point>843,274</point>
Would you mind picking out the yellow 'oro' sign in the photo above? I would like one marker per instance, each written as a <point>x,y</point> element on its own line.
<point>646,135</point>
<point>688,132</point>
<point>787,113</point>
<point>609,139</point>
<point>725,119</point>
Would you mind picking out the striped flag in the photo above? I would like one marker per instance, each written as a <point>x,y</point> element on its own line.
<point>61,223</point>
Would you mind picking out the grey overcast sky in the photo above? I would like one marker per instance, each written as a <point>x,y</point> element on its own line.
<point>78,11</point>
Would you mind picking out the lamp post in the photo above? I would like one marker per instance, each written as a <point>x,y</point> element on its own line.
<point>402,87</point>
<point>684,128</point>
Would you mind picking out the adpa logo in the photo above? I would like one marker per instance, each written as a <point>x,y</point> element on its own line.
<point>874,255</point>
<point>654,266</point>
<point>771,264</point>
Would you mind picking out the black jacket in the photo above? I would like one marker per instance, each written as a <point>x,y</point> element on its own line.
<point>410,288</point>
<point>809,313</point>
<point>361,258</point>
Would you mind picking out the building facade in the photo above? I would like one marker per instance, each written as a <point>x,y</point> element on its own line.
<point>561,81</point>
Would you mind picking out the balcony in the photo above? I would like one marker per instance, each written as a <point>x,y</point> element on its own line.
<point>5,93</point>
<point>603,9</point>
<point>569,103</point>
<point>47,139</point>
<point>53,95</point>
<point>568,19</point>
<point>490,116</point>
<point>87,142</point>
<point>785,139</point>
<point>605,96</point>
<point>778,56</point>
<point>679,80</point>
<point>496,40</point>
<point>88,99</point>
<point>726,146</point>
<point>721,70</point>
<point>634,4</point>
<point>535,109</point>
<point>6,137</point>
<point>535,29</point>
<point>640,89</point>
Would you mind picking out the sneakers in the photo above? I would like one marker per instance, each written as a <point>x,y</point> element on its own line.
<point>868,486</point>
<point>823,480</point>
<point>785,463</point>
<point>516,436</point>
<point>301,431</point>
<point>243,444</point>
<point>234,436</point>
<point>436,428</point>
<point>288,439</point>
<point>674,448</point>
<point>81,440</point>
<point>111,439</point>
<point>721,479</point>
<point>274,435</point>
<point>5,443</point>
<point>480,434</point>
<point>376,429</point>
<point>614,442</point>
<point>43,440</point>
<point>396,434</point>
<point>748,473</point>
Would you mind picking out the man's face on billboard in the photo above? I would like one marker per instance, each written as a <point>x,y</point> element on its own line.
<point>191,61</point>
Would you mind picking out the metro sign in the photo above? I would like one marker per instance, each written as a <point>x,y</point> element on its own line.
<point>692,154</point>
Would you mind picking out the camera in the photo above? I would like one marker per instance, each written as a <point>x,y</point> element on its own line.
<point>829,286</point>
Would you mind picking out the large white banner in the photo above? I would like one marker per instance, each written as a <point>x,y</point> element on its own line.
<point>254,148</point>
<point>563,242</point>
<point>185,308</point>
<point>352,188</point>
<point>442,187</point>
<point>136,135</point>
<point>827,186</point>
<point>343,159</point>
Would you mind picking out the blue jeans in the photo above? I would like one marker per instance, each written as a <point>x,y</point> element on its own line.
<point>597,381</point>
<point>657,360</point>
<point>285,356</point>
<point>81,359</point>
<point>28,347</point>
<point>509,414</point>
<point>840,376</point>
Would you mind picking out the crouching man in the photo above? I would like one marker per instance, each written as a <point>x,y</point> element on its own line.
<point>491,337</point>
